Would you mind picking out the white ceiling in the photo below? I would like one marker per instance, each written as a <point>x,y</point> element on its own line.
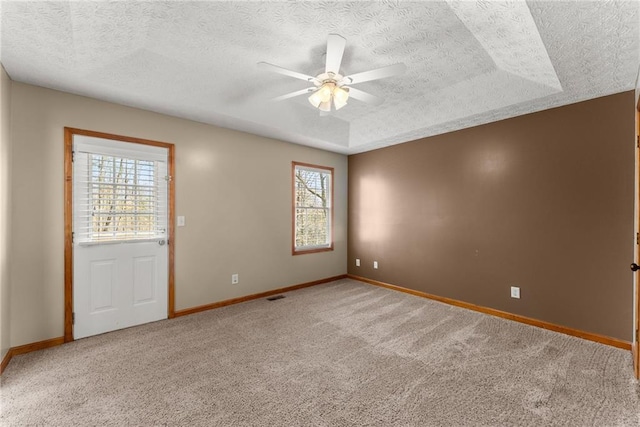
<point>468,62</point>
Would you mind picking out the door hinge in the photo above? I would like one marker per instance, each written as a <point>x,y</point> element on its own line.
<point>73,318</point>
<point>637,336</point>
<point>73,156</point>
<point>637,238</point>
<point>73,236</point>
<point>638,140</point>
<point>168,178</point>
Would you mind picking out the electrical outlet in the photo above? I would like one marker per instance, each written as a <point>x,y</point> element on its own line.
<point>180,221</point>
<point>515,292</point>
<point>234,279</point>
<point>375,264</point>
<point>357,262</point>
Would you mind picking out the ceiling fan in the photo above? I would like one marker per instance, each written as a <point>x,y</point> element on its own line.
<point>332,89</point>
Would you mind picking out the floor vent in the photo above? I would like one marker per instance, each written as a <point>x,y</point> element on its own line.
<point>275,297</point>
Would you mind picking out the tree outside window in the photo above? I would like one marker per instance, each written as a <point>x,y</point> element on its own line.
<point>312,215</point>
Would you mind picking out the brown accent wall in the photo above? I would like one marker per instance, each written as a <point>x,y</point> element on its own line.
<point>543,201</point>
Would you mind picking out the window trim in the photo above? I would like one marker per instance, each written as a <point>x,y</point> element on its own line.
<point>310,249</point>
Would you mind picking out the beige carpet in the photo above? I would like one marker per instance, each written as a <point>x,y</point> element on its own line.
<point>339,354</point>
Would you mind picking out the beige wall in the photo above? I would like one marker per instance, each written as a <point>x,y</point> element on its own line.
<point>543,201</point>
<point>233,188</point>
<point>5,210</point>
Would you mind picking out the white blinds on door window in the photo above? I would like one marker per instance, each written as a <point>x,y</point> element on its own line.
<point>118,196</point>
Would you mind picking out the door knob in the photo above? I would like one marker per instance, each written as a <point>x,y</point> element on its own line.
<point>635,267</point>
<point>161,242</point>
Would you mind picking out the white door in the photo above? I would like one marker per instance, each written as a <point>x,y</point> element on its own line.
<point>120,255</point>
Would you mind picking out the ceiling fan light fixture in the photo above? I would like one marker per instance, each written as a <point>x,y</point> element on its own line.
<point>340,97</point>
<point>329,92</point>
<point>323,96</point>
<point>315,99</point>
<point>326,91</point>
<point>325,106</point>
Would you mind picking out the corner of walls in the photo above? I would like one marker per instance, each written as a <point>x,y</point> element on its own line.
<point>5,211</point>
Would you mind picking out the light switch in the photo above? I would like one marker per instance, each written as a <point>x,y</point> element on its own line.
<point>180,221</point>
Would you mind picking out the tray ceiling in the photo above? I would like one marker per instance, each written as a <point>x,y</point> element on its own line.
<point>468,62</point>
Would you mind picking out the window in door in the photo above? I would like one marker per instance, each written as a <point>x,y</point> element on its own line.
<point>119,198</point>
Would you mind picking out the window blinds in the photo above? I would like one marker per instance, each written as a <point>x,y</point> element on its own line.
<point>118,196</point>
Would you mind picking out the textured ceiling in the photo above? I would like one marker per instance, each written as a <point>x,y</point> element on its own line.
<point>467,62</point>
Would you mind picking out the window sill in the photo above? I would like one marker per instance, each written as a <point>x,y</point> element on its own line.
<point>312,250</point>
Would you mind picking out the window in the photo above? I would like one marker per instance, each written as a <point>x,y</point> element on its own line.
<point>312,208</point>
<point>119,197</point>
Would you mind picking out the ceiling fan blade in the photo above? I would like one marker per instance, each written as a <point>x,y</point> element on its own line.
<point>335,50</point>
<point>378,73</point>
<point>364,96</point>
<point>294,94</point>
<point>280,70</point>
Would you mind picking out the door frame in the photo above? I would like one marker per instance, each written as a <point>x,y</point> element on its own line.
<point>68,218</point>
<point>635,341</point>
